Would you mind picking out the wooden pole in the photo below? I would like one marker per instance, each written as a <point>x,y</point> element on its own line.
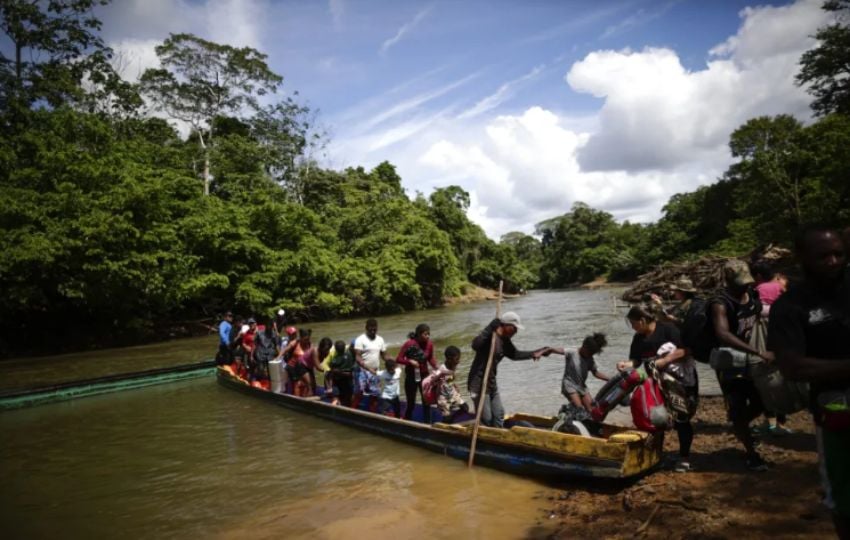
<point>479,406</point>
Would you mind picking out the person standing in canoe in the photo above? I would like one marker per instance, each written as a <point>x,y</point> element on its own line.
<point>225,354</point>
<point>505,327</point>
<point>369,351</point>
<point>417,357</point>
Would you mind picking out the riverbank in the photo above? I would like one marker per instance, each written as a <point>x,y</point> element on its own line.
<point>474,293</point>
<point>718,499</point>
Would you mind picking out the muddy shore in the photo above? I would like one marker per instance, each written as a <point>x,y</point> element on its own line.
<point>718,499</point>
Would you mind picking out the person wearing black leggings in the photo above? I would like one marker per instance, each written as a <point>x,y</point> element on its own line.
<point>417,357</point>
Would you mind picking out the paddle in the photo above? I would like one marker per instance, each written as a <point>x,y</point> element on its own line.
<point>479,406</point>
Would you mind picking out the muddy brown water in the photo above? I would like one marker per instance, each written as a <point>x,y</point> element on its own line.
<point>193,459</point>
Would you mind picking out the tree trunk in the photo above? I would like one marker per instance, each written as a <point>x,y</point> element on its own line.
<point>206,174</point>
<point>18,67</point>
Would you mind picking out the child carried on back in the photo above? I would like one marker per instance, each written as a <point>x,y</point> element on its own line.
<point>439,388</point>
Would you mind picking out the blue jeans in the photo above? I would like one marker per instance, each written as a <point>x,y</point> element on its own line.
<point>492,412</point>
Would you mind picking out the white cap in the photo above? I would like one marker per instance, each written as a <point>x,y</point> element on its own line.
<point>280,312</point>
<point>509,317</point>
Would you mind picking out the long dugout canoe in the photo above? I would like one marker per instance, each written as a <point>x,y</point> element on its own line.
<point>539,452</point>
<point>15,399</point>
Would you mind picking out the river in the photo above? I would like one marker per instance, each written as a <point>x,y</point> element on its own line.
<point>193,459</point>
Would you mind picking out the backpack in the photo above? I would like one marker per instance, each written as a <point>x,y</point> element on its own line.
<point>266,349</point>
<point>648,411</point>
<point>431,386</point>
<point>697,333</point>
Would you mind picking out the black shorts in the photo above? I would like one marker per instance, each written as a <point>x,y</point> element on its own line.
<point>296,372</point>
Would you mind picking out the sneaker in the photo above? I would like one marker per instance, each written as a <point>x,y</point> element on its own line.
<point>779,431</point>
<point>756,463</point>
<point>682,466</point>
<point>758,430</point>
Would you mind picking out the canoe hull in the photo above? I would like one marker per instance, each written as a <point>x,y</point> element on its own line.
<point>454,441</point>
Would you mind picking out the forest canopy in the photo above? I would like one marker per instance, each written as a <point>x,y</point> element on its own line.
<point>115,228</point>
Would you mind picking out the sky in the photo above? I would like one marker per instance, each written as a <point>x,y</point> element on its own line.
<point>530,106</point>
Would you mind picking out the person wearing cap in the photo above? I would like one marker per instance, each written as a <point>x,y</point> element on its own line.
<point>505,327</point>
<point>809,330</point>
<point>248,338</point>
<point>684,293</point>
<point>225,355</point>
<point>733,314</point>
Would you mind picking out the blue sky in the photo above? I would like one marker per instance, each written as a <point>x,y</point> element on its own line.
<point>531,106</point>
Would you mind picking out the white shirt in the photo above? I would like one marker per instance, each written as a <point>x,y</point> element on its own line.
<point>370,349</point>
<point>390,381</point>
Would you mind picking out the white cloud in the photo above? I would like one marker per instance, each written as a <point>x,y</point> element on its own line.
<point>503,93</point>
<point>405,29</point>
<point>662,129</point>
<point>659,115</point>
<point>639,18</point>
<point>134,56</point>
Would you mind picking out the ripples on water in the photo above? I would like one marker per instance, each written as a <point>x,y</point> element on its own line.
<point>194,459</point>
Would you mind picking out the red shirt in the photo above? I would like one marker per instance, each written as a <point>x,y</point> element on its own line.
<point>248,337</point>
<point>428,355</point>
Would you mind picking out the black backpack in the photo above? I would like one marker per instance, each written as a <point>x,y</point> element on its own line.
<point>697,332</point>
<point>266,346</point>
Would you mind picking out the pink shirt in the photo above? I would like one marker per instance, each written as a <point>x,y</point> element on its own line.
<point>769,291</point>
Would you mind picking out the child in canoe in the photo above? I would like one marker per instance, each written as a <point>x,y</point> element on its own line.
<point>389,403</point>
<point>439,388</point>
<point>577,365</point>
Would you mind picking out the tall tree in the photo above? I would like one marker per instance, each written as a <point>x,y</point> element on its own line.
<point>55,46</point>
<point>826,68</point>
<point>201,80</point>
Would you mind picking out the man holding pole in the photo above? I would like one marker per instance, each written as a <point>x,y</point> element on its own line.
<point>504,328</point>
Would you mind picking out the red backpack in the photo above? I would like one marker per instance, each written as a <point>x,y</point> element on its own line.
<point>648,410</point>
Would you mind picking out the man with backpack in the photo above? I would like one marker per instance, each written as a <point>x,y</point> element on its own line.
<point>810,334</point>
<point>733,314</point>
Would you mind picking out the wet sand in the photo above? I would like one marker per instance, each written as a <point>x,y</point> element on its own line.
<point>719,499</point>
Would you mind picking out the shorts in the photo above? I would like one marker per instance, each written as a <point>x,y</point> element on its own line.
<point>368,384</point>
<point>296,372</point>
<point>571,387</point>
<point>387,405</point>
<point>833,449</point>
<point>449,401</point>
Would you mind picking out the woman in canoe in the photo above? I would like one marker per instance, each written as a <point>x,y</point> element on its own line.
<point>417,358</point>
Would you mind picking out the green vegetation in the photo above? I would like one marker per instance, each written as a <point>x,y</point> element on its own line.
<point>115,228</point>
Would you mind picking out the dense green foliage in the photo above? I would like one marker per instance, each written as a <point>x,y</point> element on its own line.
<point>826,68</point>
<point>114,228</point>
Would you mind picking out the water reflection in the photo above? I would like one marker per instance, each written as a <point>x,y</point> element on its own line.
<point>195,459</point>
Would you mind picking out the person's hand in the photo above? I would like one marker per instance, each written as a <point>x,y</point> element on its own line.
<point>768,357</point>
<point>414,363</point>
<point>655,298</point>
<point>661,362</point>
<point>623,365</point>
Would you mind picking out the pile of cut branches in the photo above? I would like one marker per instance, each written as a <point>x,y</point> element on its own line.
<point>706,273</point>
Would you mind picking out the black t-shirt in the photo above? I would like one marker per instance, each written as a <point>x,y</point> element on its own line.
<point>814,323</point>
<point>644,347</point>
<point>741,317</point>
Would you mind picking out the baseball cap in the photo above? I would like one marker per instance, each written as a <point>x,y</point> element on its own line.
<point>281,312</point>
<point>509,317</point>
<point>684,284</point>
<point>736,272</point>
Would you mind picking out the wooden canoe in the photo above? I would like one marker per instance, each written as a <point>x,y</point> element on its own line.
<point>538,451</point>
<point>41,395</point>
